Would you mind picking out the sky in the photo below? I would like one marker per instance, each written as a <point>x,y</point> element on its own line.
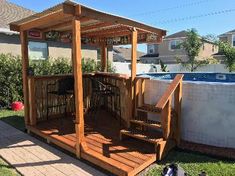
<point>207,16</point>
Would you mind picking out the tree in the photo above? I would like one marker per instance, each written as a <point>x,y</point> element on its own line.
<point>192,46</point>
<point>163,66</point>
<point>229,53</point>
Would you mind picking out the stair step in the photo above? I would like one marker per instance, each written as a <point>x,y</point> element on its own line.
<point>149,108</point>
<point>149,123</point>
<point>152,137</point>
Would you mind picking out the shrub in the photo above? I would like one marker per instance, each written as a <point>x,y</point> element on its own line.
<point>229,53</point>
<point>11,73</point>
<point>10,78</point>
<point>192,46</point>
<point>51,66</point>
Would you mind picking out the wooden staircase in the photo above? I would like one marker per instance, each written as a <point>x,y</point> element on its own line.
<point>163,134</point>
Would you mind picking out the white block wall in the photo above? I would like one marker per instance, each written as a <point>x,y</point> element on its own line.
<point>208,111</point>
<point>149,68</point>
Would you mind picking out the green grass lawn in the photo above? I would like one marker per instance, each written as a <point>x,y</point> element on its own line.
<point>6,170</point>
<point>192,163</point>
<point>14,118</point>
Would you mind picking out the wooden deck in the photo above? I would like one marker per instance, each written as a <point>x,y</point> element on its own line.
<point>103,146</point>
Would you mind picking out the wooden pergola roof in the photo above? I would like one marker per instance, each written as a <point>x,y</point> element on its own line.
<point>93,23</point>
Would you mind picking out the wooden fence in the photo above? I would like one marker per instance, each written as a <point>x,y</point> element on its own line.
<point>40,99</point>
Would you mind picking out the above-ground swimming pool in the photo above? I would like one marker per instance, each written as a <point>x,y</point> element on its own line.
<point>206,77</point>
<point>208,105</point>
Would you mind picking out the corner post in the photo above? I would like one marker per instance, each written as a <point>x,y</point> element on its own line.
<point>133,69</point>
<point>78,88</point>
<point>104,57</point>
<point>177,107</point>
<point>25,66</point>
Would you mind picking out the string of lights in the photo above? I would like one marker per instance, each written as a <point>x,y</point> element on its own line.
<point>171,8</point>
<point>187,18</point>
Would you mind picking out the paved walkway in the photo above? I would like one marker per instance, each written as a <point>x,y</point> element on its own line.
<point>32,157</point>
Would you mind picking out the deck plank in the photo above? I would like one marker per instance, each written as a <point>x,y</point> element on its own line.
<point>103,146</point>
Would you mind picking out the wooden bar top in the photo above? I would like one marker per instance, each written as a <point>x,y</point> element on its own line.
<point>101,74</point>
<point>108,75</point>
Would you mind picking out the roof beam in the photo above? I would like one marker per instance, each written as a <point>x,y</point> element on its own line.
<point>105,17</point>
<point>63,25</point>
<point>44,20</point>
<point>112,34</point>
<point>105,31</point>
<point>111,18</point>
<point>95,26</point>
<point>58,26</point>
<point>71,9</point>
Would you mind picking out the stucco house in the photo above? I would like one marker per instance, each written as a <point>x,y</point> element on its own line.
<point>169,49</point>
<point>10,41</point>
<point>123,54</point>
<point>228,37</point>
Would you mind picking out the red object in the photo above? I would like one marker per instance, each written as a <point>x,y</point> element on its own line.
<point>17,106</point>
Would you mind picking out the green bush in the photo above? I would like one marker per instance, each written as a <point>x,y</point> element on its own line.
<point>51,66</point>
<point>10,78</point>
<point>90,65</point>
<point>11,73</point>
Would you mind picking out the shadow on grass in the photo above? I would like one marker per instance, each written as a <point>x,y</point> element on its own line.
<point>184,156</point>
<point>16,121</point>
<point>6,169</point>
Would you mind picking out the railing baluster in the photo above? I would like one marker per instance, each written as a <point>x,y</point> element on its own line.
<point>166,119</point>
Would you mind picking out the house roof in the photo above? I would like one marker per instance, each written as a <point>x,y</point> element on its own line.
<point>179,34</point>
<point>183,34</point>
<point>150,55</point>
<point>229,32</point>
<point>10,12</point>
<point>124,54</point>
<point>94,23</point>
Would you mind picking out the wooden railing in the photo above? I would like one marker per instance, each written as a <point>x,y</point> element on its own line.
<point>121,81</point>
<point>38,97</point>
<point>164,105</point>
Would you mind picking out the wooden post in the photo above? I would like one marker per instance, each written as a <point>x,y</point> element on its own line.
<point>177,107</point>
<point>104,57</point>
<point>166,119</point>
<point>32,105</point>
<point>25,65</point>
<point>133,69</point>
<point>78,89</point>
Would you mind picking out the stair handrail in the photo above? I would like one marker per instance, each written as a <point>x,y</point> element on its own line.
<point>169,92</point>
<point>164,105</point>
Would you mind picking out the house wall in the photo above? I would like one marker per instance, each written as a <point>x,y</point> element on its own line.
<point>11,44</point>
<point>164,49</point>
<point>227,38</point>
<point>169,56</point>
<point>208,50</point>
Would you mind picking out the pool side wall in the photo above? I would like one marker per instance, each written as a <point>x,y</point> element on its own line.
<point>208,111</point>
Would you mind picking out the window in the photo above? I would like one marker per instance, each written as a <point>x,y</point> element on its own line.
<point>175,44</point>
<point>38,51</point>
<point>98,54</point>
<point>151,49</point>
<point>233,41</point>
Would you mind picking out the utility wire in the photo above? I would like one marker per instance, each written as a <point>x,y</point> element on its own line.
<point>171,8</point>
<point>187,18</point>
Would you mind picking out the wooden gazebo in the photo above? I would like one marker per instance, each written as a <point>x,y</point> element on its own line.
<point>98,142</point>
